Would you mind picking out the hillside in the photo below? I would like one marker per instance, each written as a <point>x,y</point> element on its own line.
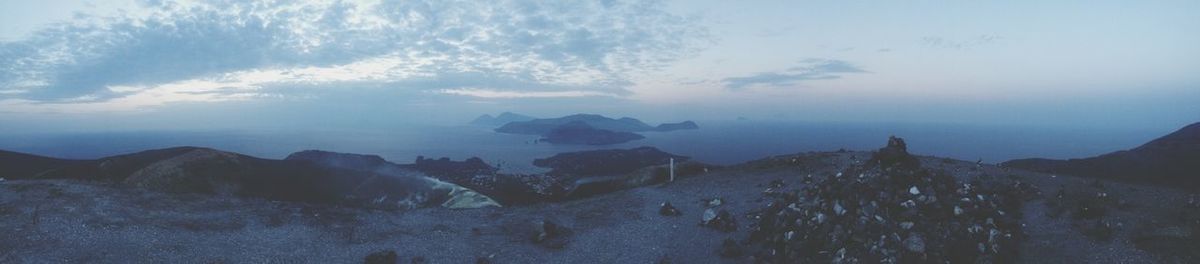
<point>817,207</point>
<point>214,172</point>
<point>15,165</point>
<point>606,162</point>
<point>1171,160</point>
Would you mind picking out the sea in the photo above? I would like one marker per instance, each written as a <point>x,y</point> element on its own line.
<point>716,142</point>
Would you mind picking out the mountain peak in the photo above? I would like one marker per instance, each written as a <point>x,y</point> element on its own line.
<point>1186,137</point>
<point>1169,160</point>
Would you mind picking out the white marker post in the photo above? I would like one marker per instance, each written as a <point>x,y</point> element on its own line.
<point>672,169</point>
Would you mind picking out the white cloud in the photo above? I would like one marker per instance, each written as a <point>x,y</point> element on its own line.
<point>489,93</point>
<point>206,51</point>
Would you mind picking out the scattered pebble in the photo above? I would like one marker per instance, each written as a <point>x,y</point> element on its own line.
<point>715,202</point>
<point>668,210</point>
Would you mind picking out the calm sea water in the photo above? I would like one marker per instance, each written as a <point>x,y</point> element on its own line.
<point>717,142</point>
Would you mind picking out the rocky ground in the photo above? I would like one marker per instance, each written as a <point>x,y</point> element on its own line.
<point>1088,222</point>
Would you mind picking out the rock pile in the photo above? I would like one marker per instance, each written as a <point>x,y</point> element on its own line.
<point>889,211</point>
<point>895,155</point>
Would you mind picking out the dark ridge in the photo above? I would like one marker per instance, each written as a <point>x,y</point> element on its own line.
<point>595,172</point>
<point>15,165</point>
<point>606,162</point>
<point>209,171</point>
<point>342,160</point>
<point>115,168</point>
<point>1171,160</point>
<point>446,167</point>
<point>201,170</point>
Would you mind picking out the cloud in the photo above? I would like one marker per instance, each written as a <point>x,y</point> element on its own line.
<point>809,69</point>
<point>230,50</point>
<point>775,31</point>
<point>489,93</point>
<point>968,43</point>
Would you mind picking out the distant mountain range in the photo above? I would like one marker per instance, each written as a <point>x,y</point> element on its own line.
<point>1172,160</point>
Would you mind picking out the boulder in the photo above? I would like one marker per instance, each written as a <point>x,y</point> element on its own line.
<point>915,243</point>
<point>721,220</point>
<point>668,210</point>
<point>382,257</point>
<point>550,235</point>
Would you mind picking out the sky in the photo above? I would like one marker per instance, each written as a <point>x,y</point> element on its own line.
<point>149,64</point>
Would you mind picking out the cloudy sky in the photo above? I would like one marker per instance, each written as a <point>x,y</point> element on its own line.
<point>132,64</point>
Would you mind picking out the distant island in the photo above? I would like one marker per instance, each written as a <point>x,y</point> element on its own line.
<point>625,124</point>
<point>501,119</point>
<point>685,125</point>
<point>587,129</point>
<point>580,133</point>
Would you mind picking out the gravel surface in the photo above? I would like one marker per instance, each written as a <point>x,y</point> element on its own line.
<point>61,221</point>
